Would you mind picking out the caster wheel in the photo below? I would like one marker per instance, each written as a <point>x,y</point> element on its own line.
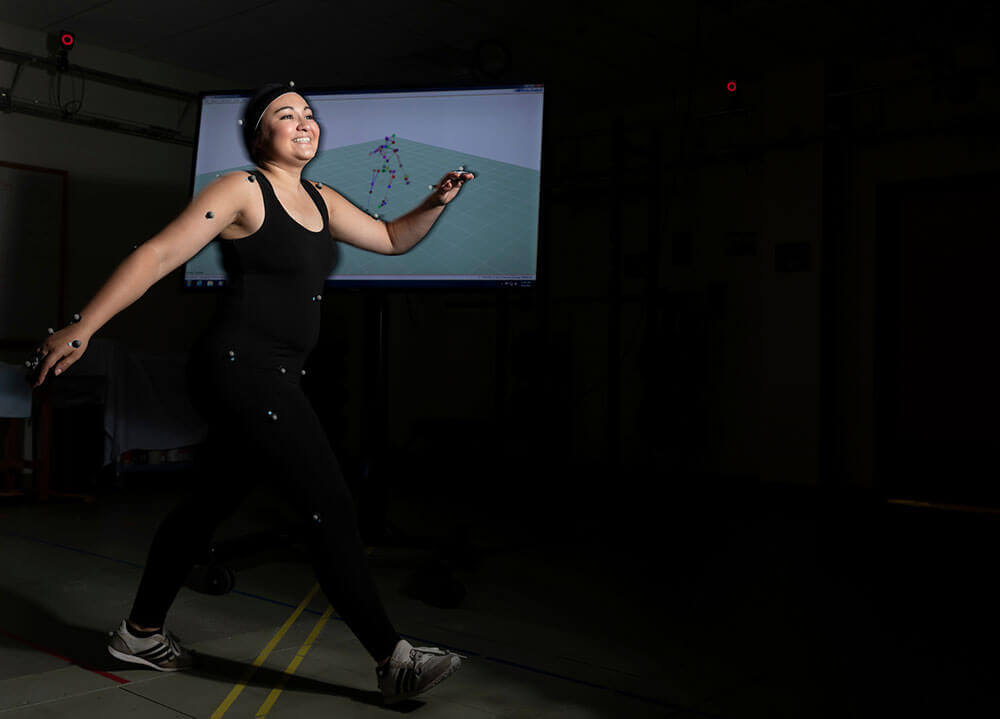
<point>212,579</point>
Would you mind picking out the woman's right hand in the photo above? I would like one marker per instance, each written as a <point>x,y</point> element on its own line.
<point>57,352</point>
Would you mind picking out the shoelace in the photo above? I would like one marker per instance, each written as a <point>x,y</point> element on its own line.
<point>421,655</point>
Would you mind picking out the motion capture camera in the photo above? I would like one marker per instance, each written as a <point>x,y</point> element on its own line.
<point>59,44</point>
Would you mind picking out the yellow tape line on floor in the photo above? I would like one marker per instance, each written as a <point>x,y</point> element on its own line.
<point>238,689</point>
<point>294,664</point>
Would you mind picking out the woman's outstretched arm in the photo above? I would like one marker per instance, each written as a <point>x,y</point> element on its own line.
<point>350,225</point>
<point>215,207</point>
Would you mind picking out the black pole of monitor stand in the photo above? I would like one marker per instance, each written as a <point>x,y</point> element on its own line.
<point>374,420</point>
<point>432,581</point>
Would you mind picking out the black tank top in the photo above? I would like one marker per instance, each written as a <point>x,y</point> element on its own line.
<point>269,311</point>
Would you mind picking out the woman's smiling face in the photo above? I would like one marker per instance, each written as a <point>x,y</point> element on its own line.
<point>288,130</point>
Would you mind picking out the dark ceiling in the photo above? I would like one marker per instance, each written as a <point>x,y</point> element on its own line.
<point>311,41</point>
<point>396,43</point>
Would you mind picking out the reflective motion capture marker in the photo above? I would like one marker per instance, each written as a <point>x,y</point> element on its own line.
<point>249,178</point>
<point>75,344</point>
<point>272,415</point>
<point>210,214</point>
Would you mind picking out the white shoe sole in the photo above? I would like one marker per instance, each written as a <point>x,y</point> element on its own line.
<point>131,658</point>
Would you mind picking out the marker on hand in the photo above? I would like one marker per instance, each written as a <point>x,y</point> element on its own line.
<point>460,171</point>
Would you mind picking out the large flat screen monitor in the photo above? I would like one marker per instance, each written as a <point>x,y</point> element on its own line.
<point>382,150</point>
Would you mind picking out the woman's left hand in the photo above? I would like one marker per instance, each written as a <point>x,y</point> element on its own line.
<point>446,190</point>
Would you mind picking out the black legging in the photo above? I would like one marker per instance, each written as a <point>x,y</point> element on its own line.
<point>294,453</point>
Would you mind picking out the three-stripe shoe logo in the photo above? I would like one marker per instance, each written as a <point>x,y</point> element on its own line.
<point>157,654</point>
<point>161,653</point>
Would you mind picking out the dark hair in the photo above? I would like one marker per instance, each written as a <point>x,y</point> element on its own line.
<point>254,111</point>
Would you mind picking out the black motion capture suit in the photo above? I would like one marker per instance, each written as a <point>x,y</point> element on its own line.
<point>245,375</point>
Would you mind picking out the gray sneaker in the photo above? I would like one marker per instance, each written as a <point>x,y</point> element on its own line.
<point>160,651</point>
<point>413,670</point>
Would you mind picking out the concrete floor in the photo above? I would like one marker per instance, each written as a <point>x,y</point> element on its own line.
<point>755,609</point>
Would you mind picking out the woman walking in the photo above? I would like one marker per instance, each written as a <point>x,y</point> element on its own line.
<point>245,374</point>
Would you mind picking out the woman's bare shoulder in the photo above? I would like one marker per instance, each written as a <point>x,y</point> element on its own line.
<point>237,179</point>
<point>238,192</point>
<point>231,188</point>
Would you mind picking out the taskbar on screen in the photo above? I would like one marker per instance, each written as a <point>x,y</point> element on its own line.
<point>359,281</point>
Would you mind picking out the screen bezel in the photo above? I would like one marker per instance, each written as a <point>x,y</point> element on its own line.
<point>331,285</point>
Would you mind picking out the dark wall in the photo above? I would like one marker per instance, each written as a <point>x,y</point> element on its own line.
<point>708,304</point>
<point>710,292</point>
